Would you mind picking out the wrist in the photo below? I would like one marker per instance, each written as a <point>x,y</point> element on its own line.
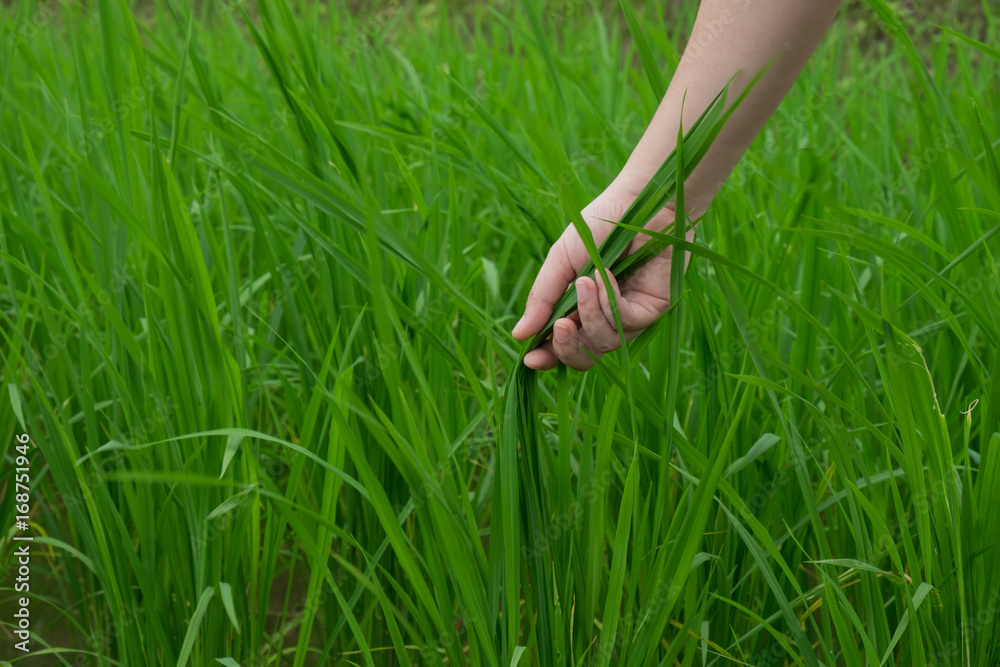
<point>630,182</point>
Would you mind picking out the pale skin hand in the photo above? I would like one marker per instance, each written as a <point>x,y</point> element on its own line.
<point>729,36</point>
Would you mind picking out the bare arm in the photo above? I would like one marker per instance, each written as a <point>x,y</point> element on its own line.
<point>729,36</point>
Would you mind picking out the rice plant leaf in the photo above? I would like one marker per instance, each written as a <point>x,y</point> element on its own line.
<point>229,504</point>
<point>438,509</point>
<point>759,448</point>
<point>715,257</point>
<point>68,548</point>
<point>612,609</point>
<point>194,625</point>
<point>834,599</point>
<point>16,404</point>
<point>649,64</point>
<point>854,564</point>
<point>492,278</point>
<point>390,618</point>
<point>226,594</point>
<point>986,49</point>
<point>179,93</point>
<point>500,130</point>
<point>675,563</point>
<point>808,655</point>
<point>298,449</point>
<point>543,44</point>
<point>923,590</point>
<point>232,444</point>
<point>764,624</point>
<point>992,416</point>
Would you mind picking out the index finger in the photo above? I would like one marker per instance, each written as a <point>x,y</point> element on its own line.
<point>555,276</point>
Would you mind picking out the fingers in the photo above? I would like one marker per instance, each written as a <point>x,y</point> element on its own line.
<point>571,347</point>
<point>605,301</point>
<point>589,332</point>
<point>597,325</point>
<point>551,282</point>
<point>581,338</point>
<point>542,358</point>
<point>567,345</point>
<point>637,309</point>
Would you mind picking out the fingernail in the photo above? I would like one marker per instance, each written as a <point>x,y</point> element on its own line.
<point>561,333</point>
<point>582,290</point>
<point>517,326</point>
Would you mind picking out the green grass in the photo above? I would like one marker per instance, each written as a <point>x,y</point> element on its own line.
<point>260,263</point>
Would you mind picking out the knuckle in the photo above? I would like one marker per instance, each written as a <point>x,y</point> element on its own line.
<point>535,300</point>
<point>605,345</point>
<point>557,253</point>
<point>571,262</point>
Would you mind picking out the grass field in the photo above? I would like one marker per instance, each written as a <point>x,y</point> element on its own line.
<point>259,267</point>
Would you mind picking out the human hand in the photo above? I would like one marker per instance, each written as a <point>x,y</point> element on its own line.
<point>642,297</point>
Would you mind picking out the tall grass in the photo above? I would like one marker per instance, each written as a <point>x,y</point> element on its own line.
<point>259,265</point>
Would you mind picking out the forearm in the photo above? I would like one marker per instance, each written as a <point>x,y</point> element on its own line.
<point>729,36</point>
